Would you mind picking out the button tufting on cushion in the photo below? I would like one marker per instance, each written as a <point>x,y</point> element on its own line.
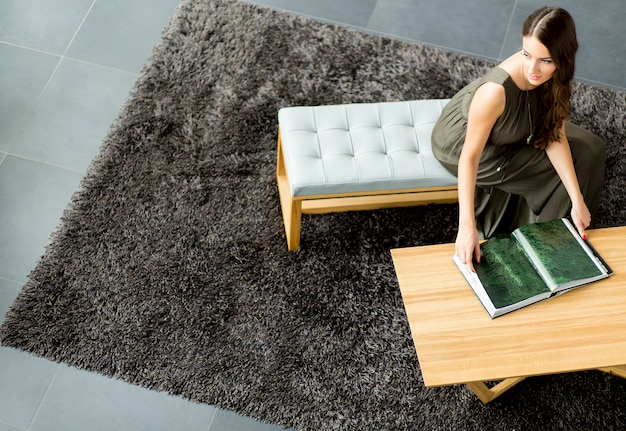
<point>361,147</point>
<point>360,156</point>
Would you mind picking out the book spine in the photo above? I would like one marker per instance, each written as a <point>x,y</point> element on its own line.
<point>534,260</point>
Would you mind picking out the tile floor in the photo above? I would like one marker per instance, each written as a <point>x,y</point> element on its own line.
<point>66,68</point>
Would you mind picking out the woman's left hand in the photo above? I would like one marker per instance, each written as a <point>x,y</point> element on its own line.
<point>581,218</point>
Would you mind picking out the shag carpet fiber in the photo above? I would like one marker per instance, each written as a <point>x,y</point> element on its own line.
<point>170,270</point>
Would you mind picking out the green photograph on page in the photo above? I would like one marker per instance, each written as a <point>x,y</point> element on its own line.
<point>558,257</point>
<point>506,274</point>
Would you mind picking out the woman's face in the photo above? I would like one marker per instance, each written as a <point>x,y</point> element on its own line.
<point>538,65</point>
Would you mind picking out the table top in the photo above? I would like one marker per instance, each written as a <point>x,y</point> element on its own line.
<point>457,342</point>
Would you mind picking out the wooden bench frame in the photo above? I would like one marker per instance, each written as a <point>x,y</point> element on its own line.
<point>294,206</point>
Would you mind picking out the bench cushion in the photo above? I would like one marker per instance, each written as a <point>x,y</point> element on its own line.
<point>361,147</point>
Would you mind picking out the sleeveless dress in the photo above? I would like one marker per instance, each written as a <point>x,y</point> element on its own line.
<point>517,184</point>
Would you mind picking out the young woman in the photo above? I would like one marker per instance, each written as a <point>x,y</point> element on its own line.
<point>507,139</point>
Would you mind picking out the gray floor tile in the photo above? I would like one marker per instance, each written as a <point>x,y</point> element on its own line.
<point>25,380</point>
<point>513,40</point>
<point>352,12</point>
<point>32,197</point>
<point>74,114</point>
<point>474,27</point>
<point>45,25</point>
<point>601,56</point>
<point>79,400</point>
<point>8,292</point>
<point>602,53</point>
<point>228,421</point>
<point>23,74</point>
<point>121,33</point>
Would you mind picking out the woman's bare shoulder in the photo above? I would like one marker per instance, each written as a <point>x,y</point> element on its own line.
<point>489,99</point>
<point>490,91</point>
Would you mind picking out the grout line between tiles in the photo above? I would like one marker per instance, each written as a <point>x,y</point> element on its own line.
<point>106,66</point>
<point>215,410</point>
<point>45,396</point>
<point>12,427</point>
<point>28,48</point>
<point>508,31</point>
<point>369,20</point>
<point>66,49</point>
<point>20,282</point>
<point>64,168</point>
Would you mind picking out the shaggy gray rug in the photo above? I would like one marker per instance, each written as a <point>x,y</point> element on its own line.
<point>170,268</point>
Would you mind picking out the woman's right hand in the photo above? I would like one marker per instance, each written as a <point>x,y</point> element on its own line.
<point>467,246</point>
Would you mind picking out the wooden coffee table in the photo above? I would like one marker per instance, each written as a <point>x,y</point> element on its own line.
<point>458,343</point>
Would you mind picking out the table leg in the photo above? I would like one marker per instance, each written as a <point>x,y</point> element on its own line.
<point>618,370</point>
<point>486,394</point>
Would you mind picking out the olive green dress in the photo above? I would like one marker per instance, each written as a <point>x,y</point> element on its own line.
<point>516,184</point>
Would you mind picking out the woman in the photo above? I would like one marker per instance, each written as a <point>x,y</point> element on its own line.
<point>506,138</point>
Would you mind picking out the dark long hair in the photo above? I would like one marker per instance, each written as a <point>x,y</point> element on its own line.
<point>555,29</point>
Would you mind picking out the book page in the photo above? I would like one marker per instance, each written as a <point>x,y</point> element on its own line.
<point>557,255</point>
<point>506,274</point>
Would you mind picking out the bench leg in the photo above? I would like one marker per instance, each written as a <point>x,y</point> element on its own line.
<point>292,225</point>
<point>291,208</point>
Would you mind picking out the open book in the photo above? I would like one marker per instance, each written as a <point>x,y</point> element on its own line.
<point>535,262</point>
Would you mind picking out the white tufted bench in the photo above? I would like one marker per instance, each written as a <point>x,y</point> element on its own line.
<point>358,156</point>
